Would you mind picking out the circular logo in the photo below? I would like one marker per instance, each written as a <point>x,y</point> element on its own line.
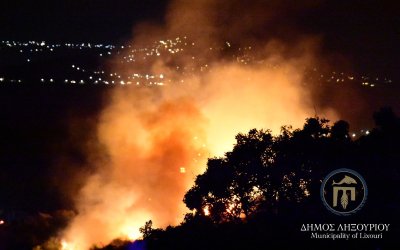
<point>344,191</point>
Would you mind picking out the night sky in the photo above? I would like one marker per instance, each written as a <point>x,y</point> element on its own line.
<point>88,20</point>
<point>366,32</point>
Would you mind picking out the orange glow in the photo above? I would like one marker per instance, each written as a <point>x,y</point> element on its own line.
<point>149,134</point>
<point>131,232</point>
<point>66,246</point>
<point>206,211</point>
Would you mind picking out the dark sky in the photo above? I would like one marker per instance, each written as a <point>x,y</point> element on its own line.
<point>83,20</point>
<point>367,32</point>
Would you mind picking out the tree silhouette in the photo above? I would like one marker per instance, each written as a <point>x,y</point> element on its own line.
<point>233,186</point>
<point>340,130</point>
<point>386,120</point>
<point>147,229</point>
<point>269,173</point>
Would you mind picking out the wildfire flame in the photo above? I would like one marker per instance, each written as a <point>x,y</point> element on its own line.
<point>156,140</point>
<point>66,246</point>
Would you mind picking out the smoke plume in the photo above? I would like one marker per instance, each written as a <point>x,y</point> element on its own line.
<point>157,139</point>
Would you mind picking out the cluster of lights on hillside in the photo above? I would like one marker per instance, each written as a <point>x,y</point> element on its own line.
<point>129,56</point>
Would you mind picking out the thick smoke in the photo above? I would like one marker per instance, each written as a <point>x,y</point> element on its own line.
<point>158,139</point>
